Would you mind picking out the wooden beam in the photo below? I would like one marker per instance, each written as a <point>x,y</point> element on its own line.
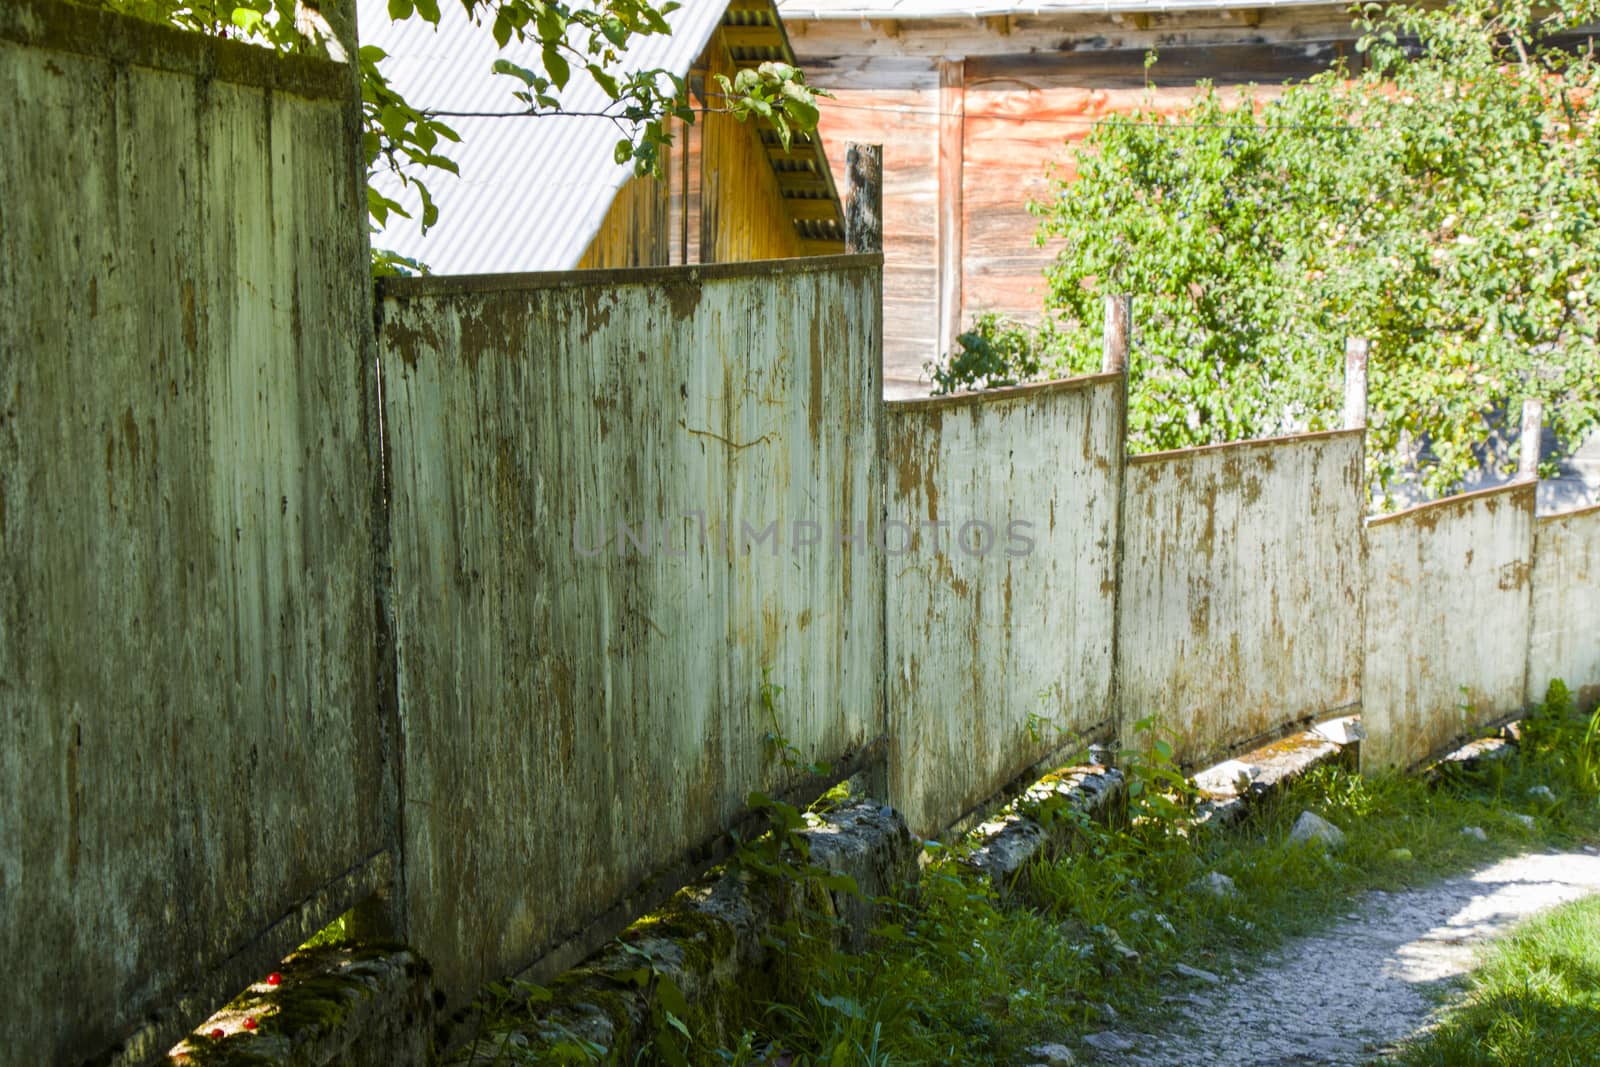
<point>1140,20</point>
<point>753,37</point>
<point>813,247</point>
<point>952,134</point>
<point>887,27</point>
<point>812,209</point>
<point>795,153</point>
<point>1000,24</point>
<point>1250,16</point>
<point>802,183</point>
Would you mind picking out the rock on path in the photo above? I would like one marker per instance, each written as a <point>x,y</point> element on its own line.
<point>1342,997</point>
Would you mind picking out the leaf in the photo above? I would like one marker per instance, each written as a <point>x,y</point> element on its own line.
<point>800,106</point>
<point>607,83</point>
<point>556,66</point>
<point>522,74</point>
<point>429,10</point>
<point>400,9</point>
<point>841,1004</point>
<point>839,882</point>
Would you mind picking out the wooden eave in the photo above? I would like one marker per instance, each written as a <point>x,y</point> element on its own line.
<point>754,34</point>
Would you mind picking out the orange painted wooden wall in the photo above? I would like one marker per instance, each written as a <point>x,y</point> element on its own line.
<point>976,115</point>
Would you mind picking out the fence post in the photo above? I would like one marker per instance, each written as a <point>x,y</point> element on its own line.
<point>1356,350</point>
<point>1532,430</point>
<point>863,208</point>
<point>1114,345</point>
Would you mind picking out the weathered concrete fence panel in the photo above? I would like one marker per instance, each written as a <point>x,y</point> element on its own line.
<point>189,745</point>
<point>618,503</point>
<point>1000,589</point>
<point>1241,588</point>
<point>1447,622</point>
<point>1564,627</point>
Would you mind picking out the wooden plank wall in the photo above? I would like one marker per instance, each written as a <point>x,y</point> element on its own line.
<point>742,215</point>
<point>719,201</point>
<point>973,117</point>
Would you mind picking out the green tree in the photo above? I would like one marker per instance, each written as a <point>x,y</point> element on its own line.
<point>589,38</point>
<point>1444,204</point>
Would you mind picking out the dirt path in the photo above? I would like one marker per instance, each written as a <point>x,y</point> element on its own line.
<point>1345,996</point>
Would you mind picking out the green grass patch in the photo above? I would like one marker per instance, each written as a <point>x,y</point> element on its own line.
<point>1536,999</point>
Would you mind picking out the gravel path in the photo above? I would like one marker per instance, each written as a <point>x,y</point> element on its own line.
<point>1343,997</point>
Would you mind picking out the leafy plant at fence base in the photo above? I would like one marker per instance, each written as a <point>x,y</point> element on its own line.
<point>1444,203</point>
<point>588,38</point>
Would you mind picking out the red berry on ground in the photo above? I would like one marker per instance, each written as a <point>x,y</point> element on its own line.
<point>274,978</point>
<point>250,1022</point>
<point>215,1035</point>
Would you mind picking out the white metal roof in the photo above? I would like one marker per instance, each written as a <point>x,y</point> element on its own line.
<point>533,191</point>
<point>801,10</point>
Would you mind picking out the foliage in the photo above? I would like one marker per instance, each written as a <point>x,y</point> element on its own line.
<point>590,38</point>
<point>962,971</point>
<point>1444,203</point>
<point>995,352</point>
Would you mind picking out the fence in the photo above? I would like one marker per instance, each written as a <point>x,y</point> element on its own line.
<point>1241,589</point>
<point>190,742</point>
<point>645,541</point>
<point>1001,578</point>
<point>602,487</point>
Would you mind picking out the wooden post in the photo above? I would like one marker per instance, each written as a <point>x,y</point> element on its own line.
<point>863,204</point>
<point>1356,350</point>
<point>1532,431</point>
<point>952,135</point>
<point>1114,343</point>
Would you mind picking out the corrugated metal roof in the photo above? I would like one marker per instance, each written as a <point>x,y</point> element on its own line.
<point>797,10</point>
<point>533,191</point>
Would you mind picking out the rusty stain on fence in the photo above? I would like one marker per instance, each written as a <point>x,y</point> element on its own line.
<point>554,698</point>
<point>1448,593</point>
<point>996,661</point>
<point>1242,589</point>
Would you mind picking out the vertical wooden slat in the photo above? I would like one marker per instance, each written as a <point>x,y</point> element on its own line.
<point>952,122</point>
<point>1114,342</point>
<point>1532,429</point>
<point>1355,383</point>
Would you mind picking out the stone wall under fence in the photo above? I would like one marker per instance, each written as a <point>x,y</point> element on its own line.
<point>191,777</point>
<point>1447,634</point>
<point>1241,590</point>
<point>620,504</point>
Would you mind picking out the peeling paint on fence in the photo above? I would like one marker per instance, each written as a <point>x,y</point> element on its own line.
<point>189,746</point>
<point>1564,637</point>
<point>1242,589</point>
<point>1000,619</point>
<point>1447,622</point>
<point>589,587</point>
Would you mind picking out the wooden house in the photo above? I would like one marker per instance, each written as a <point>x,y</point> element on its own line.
<point>975,100</point>
<point>545,193</point>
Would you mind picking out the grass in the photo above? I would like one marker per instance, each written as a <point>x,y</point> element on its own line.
<point>1536,999</point>
<point>962,973</point>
